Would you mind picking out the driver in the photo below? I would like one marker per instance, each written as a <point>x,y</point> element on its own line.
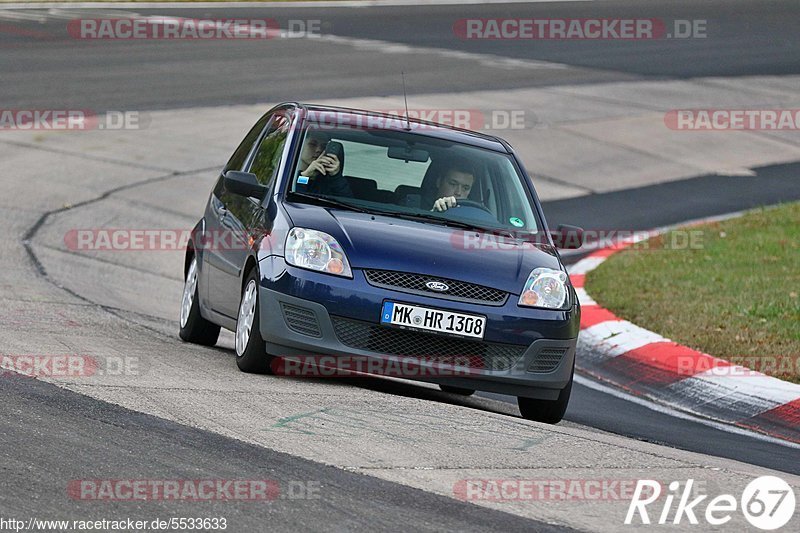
<point>455,184</point>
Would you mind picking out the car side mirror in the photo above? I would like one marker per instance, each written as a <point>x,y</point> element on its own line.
<point>567,237</point>
<point>243,184</point>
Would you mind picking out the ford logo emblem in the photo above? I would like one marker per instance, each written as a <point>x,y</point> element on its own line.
<point>437,286</point>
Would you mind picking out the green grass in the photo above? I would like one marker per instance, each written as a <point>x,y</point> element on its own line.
<point>734,294</point>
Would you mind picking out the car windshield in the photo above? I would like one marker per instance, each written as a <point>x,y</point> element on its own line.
<point>411,175</point>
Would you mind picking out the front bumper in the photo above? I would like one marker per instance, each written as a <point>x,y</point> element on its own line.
<point>305,313</point>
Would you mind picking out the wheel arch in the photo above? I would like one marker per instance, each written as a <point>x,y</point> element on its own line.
<point>250,264</point>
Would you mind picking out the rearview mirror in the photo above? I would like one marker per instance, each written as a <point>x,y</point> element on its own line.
<point>567,237</point>
<point>408,154</point>
<point>244,184</point>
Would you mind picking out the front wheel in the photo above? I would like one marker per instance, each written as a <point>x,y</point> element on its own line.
<point>251,350</point>
<point>195,328</point>
<point>547,411</point>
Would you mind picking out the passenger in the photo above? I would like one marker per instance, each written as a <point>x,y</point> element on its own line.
<point>322,171</point>
<point>455,184</point>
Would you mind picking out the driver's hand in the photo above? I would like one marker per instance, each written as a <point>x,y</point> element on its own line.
<point>443,204</point>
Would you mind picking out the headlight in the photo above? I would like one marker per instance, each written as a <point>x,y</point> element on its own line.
<point>545,288</point>
<point>315,250</point>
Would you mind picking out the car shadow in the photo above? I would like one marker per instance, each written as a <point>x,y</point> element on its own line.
<point>397,387</point>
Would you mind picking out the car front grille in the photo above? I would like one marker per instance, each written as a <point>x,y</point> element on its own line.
<point>427,347</point>
<point>415,284</point>
<point>301,320</point>
<point>547,359</point>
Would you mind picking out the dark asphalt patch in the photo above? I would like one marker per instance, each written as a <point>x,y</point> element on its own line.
<point>50,436</point>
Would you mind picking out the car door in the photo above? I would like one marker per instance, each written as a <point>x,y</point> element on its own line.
<point>238,217</point>
<point>218,269</point>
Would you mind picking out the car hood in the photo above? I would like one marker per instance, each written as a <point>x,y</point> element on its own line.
<point>388,243</point>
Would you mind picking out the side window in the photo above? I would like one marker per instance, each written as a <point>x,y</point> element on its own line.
<point>268,157</point>
<point>236,162</point>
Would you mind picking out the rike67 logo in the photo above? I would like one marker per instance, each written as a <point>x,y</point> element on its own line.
<point>768,503</point>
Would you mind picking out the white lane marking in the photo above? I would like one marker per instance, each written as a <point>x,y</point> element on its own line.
<point>70,14</point>
<point>663,409</point>
<point>62,14</point>
<point>583,297</point>
<point>750,383</point>
<point>722,402</point>
<point>585,265</point>
<point>616,337</point>
<point>226,5</point>
<point>489,60</point>
<point>17,15</point>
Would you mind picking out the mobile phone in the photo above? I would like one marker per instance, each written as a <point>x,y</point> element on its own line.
<point>334,148</point>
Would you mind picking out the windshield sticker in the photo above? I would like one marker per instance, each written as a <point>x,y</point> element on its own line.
<point>302,180</point>
<point>516,221</point>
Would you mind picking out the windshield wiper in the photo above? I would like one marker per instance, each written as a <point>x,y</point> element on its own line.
<point>443,221</point>
<point>328,202</point>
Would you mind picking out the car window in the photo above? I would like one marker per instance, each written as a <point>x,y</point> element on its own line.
<point>268,156</point>
<point>237,160</point>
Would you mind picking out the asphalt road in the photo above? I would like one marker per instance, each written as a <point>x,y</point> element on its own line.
<point>742,38</point>
<point>84,439</point>
<point>42,67</point>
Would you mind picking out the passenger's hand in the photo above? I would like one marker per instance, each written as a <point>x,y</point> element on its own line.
<point>443,204</point>
<point>314,168</point>
<point>326,164</point>
<point>331,163</point>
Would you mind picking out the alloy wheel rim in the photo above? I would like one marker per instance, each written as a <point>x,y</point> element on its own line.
<point>247,311</point>
<point>189,289</point>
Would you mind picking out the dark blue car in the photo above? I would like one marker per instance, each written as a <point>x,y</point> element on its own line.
<point>373,242</point>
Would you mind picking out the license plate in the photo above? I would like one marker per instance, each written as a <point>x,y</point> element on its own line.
<point>423,318</point>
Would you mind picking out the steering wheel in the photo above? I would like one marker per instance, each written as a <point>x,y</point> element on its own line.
<point>473,203</point>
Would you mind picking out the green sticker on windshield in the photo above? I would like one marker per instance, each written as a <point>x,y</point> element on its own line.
<point>516,221</point>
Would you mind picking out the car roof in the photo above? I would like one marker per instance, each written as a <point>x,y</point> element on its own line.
<point>432,129</point>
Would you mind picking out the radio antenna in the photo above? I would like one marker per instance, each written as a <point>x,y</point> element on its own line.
<point>405,99</point>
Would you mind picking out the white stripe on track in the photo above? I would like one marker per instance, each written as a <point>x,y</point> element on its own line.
<point>615,337</point>
<point>585,265</point>
<point>322,3</point>
<point>663,409</point>
<point>583,297</point>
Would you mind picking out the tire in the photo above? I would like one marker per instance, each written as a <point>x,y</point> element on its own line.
<point>457,390</point>
<point>195,328</point>
<point>251,350</point>
<point>547,411</point>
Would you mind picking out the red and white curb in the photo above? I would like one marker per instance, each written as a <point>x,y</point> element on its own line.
<point>646,364</point>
